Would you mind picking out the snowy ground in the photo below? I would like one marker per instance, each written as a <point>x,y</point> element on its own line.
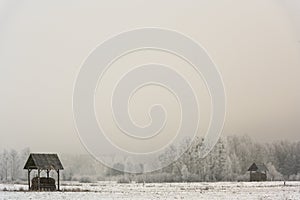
<point>112,190</point>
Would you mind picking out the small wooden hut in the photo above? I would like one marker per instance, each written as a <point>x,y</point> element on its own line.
<point>258,172</point>
<point>43,162</point>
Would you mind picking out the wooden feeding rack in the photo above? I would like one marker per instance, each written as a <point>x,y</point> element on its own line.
<point>43,162</point>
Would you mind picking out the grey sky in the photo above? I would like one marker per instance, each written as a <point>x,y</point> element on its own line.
<point>256,45</point>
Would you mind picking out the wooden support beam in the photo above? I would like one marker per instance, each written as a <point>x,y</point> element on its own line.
<point>39,182</point>
<point>58,188</point>
<point>29,170</point>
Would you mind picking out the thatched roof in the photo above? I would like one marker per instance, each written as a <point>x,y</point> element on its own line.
<point>258,167</point>
<point>43,162</point>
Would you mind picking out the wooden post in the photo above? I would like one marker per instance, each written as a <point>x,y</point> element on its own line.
<point>58,180</point>
<point>48,173</point>
<point>29,170</point>
<point>39,183</point>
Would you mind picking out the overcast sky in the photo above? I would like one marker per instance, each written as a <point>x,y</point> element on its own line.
<point>255,44</point>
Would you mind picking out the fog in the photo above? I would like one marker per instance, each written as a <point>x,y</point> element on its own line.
<point>255,44</point>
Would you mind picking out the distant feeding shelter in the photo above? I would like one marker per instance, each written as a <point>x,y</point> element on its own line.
<point>258,172</point>
<point>43,162</point>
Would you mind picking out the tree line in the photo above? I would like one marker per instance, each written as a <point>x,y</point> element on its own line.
<point>228,161</point>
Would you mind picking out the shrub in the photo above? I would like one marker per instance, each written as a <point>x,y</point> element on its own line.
<point>86,179</point>
<point>123,180</point>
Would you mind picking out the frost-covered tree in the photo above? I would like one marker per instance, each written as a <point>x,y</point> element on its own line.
<point>4,165</point>
<point>273,174</point>
<point>14,164</point>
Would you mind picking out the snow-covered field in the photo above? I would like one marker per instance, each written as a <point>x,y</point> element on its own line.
<point>112,190</point>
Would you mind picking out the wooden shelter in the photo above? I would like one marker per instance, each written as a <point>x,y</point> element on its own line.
<point>43,162</point>
<point>258,172</point>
